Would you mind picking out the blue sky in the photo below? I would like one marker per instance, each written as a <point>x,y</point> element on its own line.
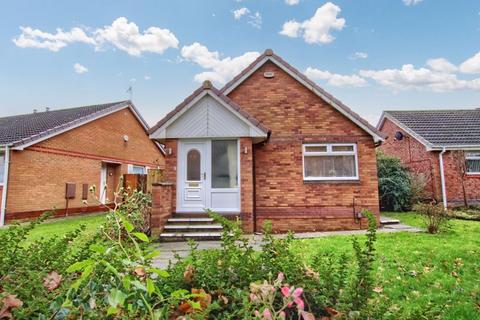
<point>371,54</point>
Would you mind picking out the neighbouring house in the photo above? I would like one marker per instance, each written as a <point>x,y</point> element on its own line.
<point>42,152</point>
<point>442,146</point>
<point>270,145</point>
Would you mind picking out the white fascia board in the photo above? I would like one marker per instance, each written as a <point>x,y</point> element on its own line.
<point>427,144</point>
<point>375,136</point>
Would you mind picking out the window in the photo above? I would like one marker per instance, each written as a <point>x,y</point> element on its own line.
<point>330,162</point>
<point>2,166</point>
<point>193,165</point>
<point>138,170</point>
<point>473,161</point>
<point>224,164</point>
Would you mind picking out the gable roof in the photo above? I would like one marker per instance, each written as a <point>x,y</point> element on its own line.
<point>208,88</point>
<point>27,129</point>
<point>437,129</point>
<point>268,55</point>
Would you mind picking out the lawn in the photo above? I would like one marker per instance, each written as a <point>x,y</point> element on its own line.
<point>422,276</point>
<point>59,227</point>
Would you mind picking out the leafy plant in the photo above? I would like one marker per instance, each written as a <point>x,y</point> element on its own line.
<point>435,216</point>
<point>394,184</point>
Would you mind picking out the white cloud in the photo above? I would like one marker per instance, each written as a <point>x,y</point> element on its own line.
<point>441,65</point>
<point>79,68</point>
<point>147,77</point>
<point>34,38</point>
<point>255,20</point>
<point>292,2</point>
<point>133,80</point>
<point>409,77</point>
<point>411,2</point>
<point>471,65</point>
<point>237,14</point>
<point>121,34</point>
<point>126,36</point>
<point>219,70</point>
<point>335,79</point>
<point>318,28</point>
<point>359,55</point>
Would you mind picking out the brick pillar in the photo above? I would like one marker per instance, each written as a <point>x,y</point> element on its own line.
<point>246,183</point>
<point>161,206</point>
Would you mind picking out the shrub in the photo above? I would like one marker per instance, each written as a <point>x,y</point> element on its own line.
<point>435,216</point>
<point>394,184</point>
<point>418,184</point>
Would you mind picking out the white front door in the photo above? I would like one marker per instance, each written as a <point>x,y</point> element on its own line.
<point>208,176</point>
<point>192,181</point>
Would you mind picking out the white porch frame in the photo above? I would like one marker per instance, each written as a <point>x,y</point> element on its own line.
<point>209,191</point>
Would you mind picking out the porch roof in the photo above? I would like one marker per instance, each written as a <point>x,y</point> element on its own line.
<point>207,88</point>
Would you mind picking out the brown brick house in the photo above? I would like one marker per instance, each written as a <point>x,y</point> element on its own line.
<point>272,145</point>
<point>437,144</point>
<point>93,145</point>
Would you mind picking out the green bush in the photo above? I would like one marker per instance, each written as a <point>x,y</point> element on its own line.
<point>394,184</point>
<point>435,216</point>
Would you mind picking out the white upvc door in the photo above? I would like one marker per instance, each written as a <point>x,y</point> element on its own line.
<point>208,176</point>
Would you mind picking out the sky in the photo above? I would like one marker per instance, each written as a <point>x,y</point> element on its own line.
<point>373,55</point>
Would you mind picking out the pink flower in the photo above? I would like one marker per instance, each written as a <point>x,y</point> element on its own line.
<point>280,276</point>
<point>297,292</point>
<point>300,303</point>
<point>253,297</point>
<point>285,291</point>
<point>267,314</point>
<point>282,315</point>
<point>257,314</point>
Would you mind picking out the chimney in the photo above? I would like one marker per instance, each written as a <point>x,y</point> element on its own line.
<point>47,109</point>
<point>34,110</point>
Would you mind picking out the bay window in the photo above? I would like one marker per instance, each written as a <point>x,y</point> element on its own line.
<point>472,159</point>
<point>330,161</point>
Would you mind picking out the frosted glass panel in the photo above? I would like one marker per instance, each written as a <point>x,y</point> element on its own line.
<point>224,164</point>
<point>330,166</point>
<point>193,165</point>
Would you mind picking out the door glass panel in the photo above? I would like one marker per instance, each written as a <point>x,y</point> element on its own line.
<point>224,164</point>
<point>193,165</point>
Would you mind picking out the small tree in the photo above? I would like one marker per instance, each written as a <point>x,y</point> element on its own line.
<point>393,183</point>
<point>461,165</point>
<point>435,216</point>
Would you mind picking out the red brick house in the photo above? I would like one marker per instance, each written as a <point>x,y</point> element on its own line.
<point>93,145</point>
<point>437,144</point>
<point>270,144</point>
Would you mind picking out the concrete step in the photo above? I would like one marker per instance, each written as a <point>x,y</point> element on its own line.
<point>183,236</point>
<point>193,226</point>
<point>190,220</point>
<point>388,221</point>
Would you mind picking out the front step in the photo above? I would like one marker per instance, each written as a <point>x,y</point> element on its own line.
<point>388,221</point>
<point>182,228</point>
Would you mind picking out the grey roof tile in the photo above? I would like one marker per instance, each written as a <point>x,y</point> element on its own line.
<point>23,128</point>
<point>442,127</point>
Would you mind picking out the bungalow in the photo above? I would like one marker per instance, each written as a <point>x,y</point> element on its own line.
<point>49,159</point>
<point>269,145</point>
<point>441,145</point>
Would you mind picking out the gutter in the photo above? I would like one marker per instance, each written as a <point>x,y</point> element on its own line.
<point>3,205</point>
<point>442,178</point>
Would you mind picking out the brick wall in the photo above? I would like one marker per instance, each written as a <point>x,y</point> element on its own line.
<point>416,157</point>
<point>162,202</point>
<point>296,115</point>
<point>38,174</point>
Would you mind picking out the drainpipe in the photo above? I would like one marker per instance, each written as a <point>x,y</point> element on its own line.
<point>3,205</point>
<point>442,178</point>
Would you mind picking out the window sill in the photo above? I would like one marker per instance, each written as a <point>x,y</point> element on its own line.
<point>352,181</point>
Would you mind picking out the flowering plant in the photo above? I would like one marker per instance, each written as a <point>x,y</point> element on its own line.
<point>264,298</point>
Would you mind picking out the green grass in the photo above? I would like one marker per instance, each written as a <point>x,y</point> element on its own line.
<point>423,276</point>
<point>59,227</point>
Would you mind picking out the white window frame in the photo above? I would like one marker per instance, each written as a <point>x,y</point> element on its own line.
<point>131,166</point>
<point>469,156</point>
<point>329,152</point>
<point>3,167</point>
